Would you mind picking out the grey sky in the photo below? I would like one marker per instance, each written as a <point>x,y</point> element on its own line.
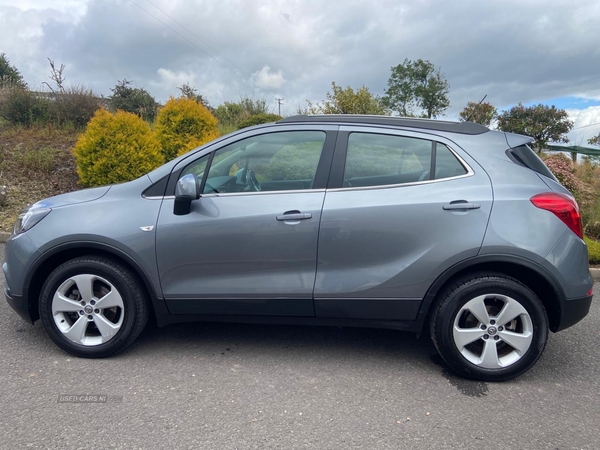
<point>527,50</point>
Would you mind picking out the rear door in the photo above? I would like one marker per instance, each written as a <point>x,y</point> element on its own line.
<point>401,208</point>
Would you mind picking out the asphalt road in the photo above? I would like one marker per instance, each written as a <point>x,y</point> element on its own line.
<point>224,386</point>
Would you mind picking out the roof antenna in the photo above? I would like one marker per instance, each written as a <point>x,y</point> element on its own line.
<point>471,115</point>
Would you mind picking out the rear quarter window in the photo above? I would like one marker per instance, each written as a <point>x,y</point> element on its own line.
<point>524,156</point>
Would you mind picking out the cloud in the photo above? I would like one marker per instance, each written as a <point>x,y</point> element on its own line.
<point>170,80</point>
<point>265,79</point>
<point>512,50</point>
<point>586,124</point>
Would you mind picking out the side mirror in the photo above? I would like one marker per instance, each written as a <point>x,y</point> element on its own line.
<point>187,190</point>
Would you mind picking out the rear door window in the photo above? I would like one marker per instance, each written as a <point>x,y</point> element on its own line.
<point>447,164</point>
<point>380,160</point>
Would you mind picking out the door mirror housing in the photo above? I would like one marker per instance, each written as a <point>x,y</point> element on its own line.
<point>186,191</point>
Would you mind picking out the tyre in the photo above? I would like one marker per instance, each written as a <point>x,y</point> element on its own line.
<point>92,307</point>
<point>489,327</point>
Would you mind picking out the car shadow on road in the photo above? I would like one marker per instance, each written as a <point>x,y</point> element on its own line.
<point>303,342</point>
<point>392,349</point>
<point>298,338</point>
<point>385,349</point>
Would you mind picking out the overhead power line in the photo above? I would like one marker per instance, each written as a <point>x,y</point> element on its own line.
<point>201,40</point>
<point>186,39</point>
<point>586,126</point>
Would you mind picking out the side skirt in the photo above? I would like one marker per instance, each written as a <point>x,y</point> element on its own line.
<point>164,320</point>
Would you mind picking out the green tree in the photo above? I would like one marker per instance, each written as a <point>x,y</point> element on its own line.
<point>9,74</point>
<point>595,140</point>
<point>417,83</point>
<point>253,106</point>
<point>189,92</point>
<point>348,101</point>
<point>541,122</point>
<point>134,100</point>
<point>483,113</point>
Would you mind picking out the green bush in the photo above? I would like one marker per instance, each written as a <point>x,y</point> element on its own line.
<point>257,119</point>
<point>233,113</point>
<point>589,205</point>
<point>226,128</point>
<point>75,105</point>
<point>593,250</point>
<point>116,148</point>
<point>182,125</point>
<point>19,106</point>
<point>230,114</point>
<point>134,100</point>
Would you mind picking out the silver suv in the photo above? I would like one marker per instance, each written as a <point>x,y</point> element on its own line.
<point>361,221</point>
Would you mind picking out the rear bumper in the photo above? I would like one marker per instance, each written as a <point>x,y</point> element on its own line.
<point>573,311</point>
<point>17,303</point>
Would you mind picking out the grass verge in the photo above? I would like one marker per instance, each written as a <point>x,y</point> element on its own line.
<point>593,250</point>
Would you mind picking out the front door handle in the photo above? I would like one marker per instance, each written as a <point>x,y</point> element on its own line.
<point>295,215</point>
<point>460,205</point>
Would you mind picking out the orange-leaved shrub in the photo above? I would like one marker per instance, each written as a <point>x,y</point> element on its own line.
<point>115,148</point>
<point>183,124</point>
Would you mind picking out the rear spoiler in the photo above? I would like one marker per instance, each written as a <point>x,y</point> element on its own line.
<point>514,140</point>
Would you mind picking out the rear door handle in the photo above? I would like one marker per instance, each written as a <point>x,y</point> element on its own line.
<point>461,205</point>
<point>294,216</point>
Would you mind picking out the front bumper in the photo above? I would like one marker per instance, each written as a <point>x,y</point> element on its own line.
<point>17,303</point>
<point>20,253</point>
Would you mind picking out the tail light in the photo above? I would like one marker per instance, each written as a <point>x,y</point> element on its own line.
<point>562,206</point>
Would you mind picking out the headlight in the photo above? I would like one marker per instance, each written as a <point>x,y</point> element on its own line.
<point>28,218</point>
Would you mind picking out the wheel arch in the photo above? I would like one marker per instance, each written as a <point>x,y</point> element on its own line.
<point>56,256</point>
<point>538,279</point>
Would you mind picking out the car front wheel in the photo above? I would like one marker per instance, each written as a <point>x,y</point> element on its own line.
<point>489,327</point>
<point>92,307</point>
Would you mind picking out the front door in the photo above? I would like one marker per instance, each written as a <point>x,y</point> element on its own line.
<point>249,244</point>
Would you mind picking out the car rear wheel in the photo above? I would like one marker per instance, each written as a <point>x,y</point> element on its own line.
<point>489,327</point>
<point>92,307</point>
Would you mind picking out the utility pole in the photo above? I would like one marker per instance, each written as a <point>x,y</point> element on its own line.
<point>279,104</point>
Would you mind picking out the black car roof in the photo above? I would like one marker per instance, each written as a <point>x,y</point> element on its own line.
<point>439,125</point>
